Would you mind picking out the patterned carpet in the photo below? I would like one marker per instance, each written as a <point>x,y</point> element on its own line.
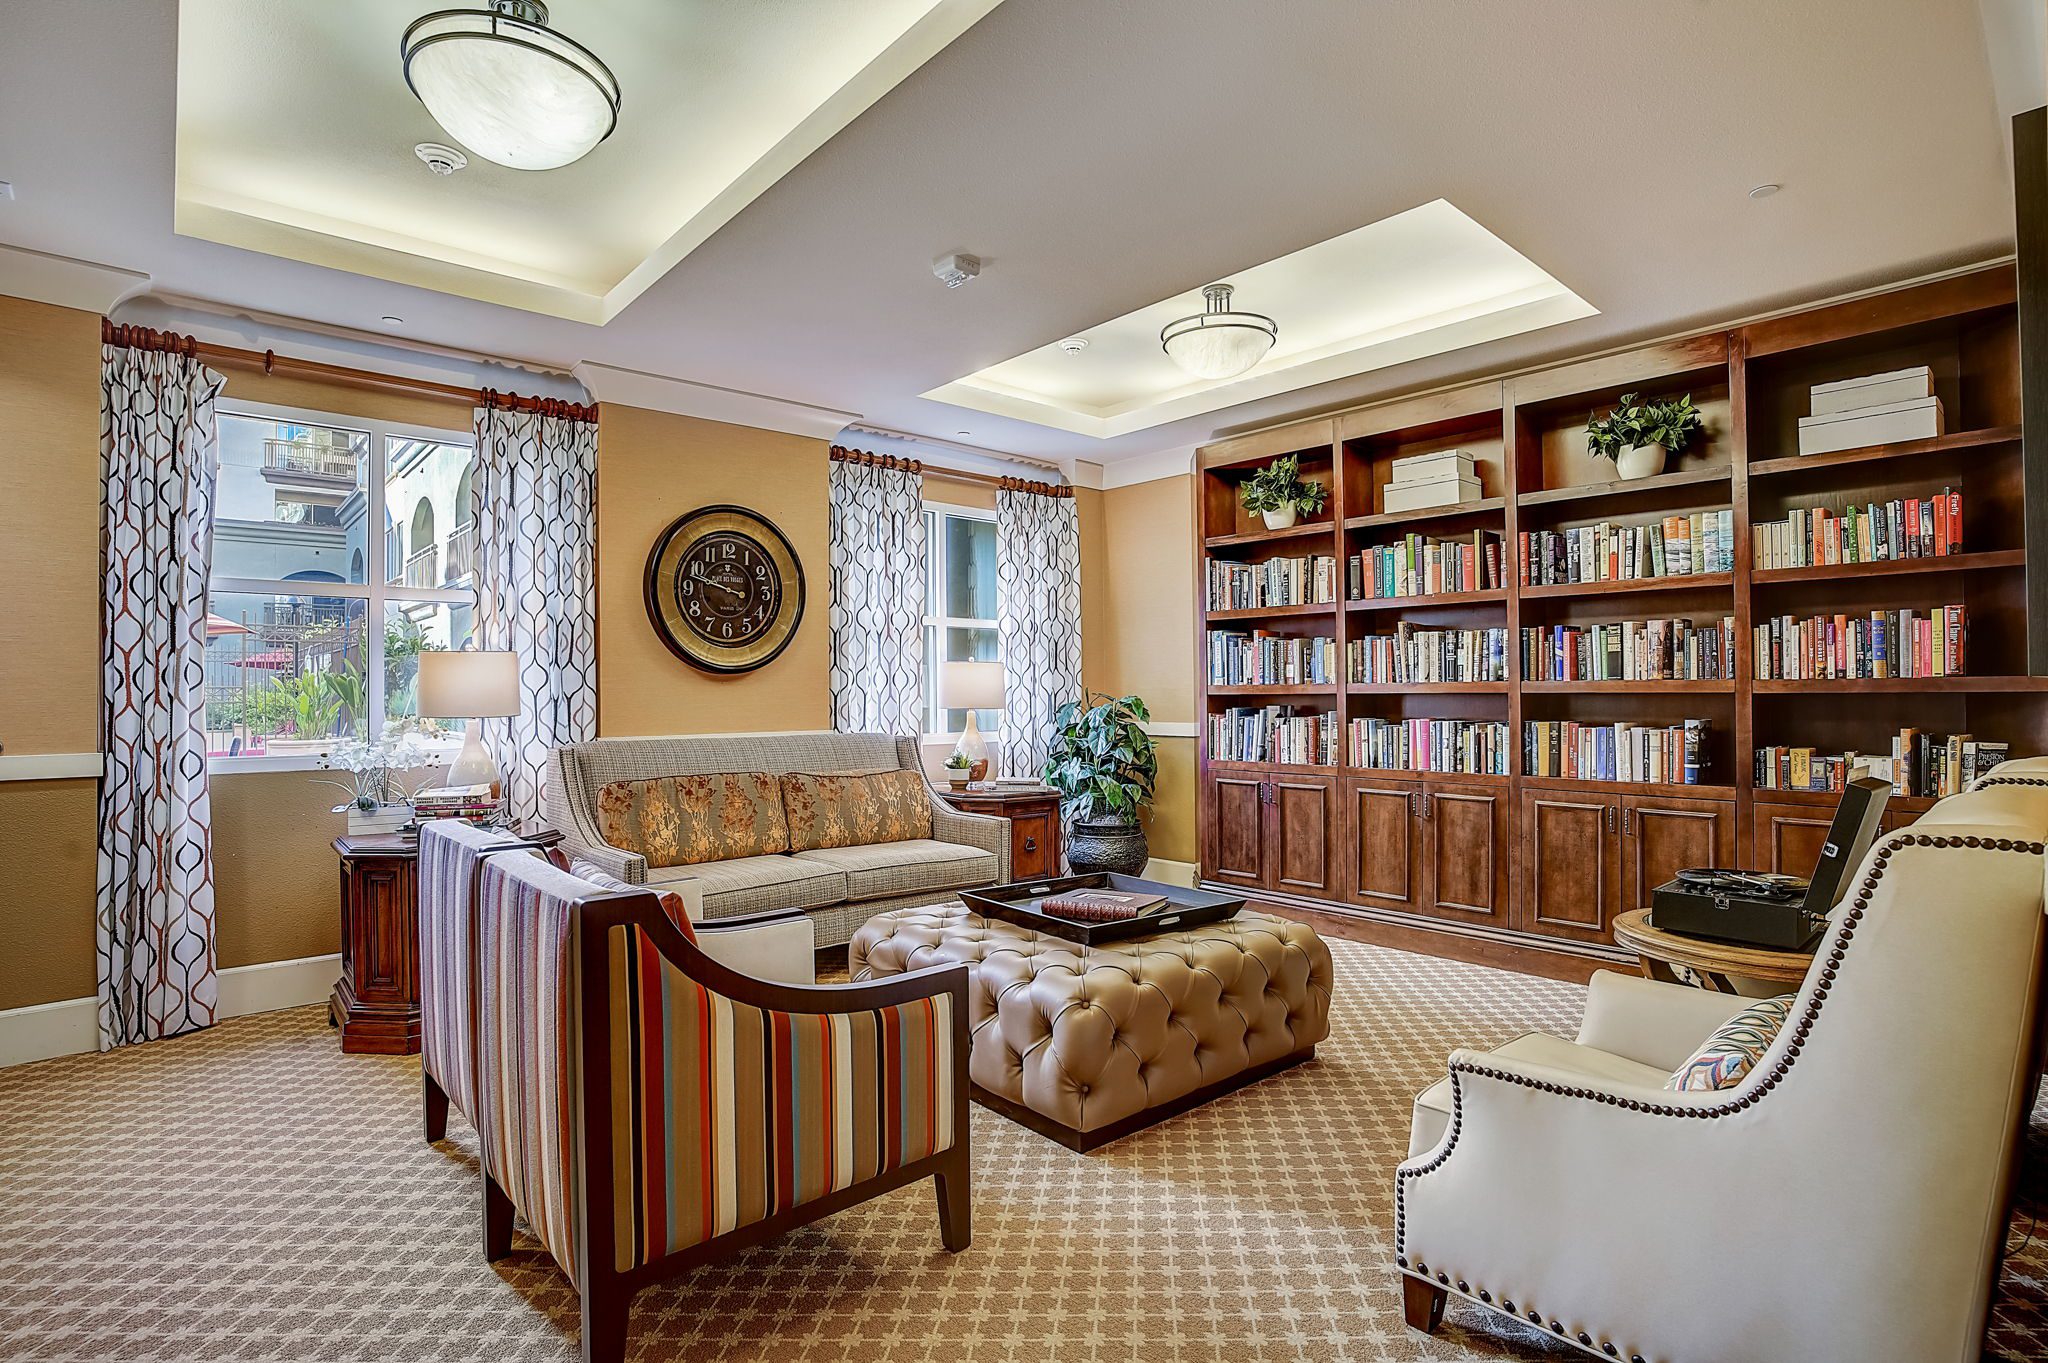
<point>250,1193</point>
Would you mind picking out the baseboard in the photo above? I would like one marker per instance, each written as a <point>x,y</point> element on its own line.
<point>71,1026</point>
<point>1171,872</point>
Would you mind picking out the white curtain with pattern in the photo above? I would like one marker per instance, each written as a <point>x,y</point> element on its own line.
<point>535,492</point>
<point>876,543</point>
<point>1038,589</point>
<point>155,921</point>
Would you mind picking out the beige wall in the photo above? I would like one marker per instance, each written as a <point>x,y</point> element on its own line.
<point>652,467</point>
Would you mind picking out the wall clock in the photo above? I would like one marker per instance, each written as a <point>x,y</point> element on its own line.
<point>724,589</point>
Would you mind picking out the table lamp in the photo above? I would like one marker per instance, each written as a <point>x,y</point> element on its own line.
<point>470,685</point>
<point>971,687</point>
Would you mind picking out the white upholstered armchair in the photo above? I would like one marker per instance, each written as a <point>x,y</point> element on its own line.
<point>1845,1200</point>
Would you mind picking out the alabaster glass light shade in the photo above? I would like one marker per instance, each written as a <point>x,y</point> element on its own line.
<point>1219,343</point>
<point>509,89</point>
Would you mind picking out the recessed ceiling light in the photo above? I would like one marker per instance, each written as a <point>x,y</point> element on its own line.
<point>6,189</point>
<point>963,433</point>
<point>391,321</point>
<point>1764,191</point>
<point>441,158</point>
<point>1074,345</point>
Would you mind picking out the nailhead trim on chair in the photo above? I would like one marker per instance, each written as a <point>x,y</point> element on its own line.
<point>1844,933</point>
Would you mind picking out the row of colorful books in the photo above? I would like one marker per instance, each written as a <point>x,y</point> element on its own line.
<point>1262,658</point>
<point>1920,763</point>
<point>1473,746</point>
<point>1900,643</point>
<point>1273,733</point>
<point>1306,581</point>
<point>1877,532</point>
<point>1414,566</point>
<point>1630,650</point>
<point>1410,654</point>
<point>1676,546</point>
<point>1664,754</point>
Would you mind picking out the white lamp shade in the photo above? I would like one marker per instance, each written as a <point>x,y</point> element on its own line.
<point>971,686</point>
<point>468,685</point>
<point>515,93</point>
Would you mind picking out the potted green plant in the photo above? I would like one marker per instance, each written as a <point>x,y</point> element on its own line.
<point>1103,765</point>
<point>311,707</point>
<point>1638,435</point>
<point>1278,492</point>
<point>957,765</point>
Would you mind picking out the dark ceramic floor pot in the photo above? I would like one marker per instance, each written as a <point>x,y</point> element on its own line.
<point>1107,846</point>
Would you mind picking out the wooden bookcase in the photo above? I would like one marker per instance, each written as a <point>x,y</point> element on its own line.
<point>1546,862</point>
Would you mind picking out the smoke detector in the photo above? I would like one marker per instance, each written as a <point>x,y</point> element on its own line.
<point>440,158</point>
<point>1074,345</point>
<point>956,269</point>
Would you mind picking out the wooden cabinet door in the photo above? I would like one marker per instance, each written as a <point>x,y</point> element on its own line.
<point>1466,841</point>
<point>1237,830</point>
<point>1659,835</point>
<point>1787,837</point>
<point>1299,811</point>
<point>1383,866</point>
<point>1571,855</point>
<point>1035,844</point>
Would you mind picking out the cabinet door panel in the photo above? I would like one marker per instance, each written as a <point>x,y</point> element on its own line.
<point>1661,835</point>
<point>1034,846</point>
<point>1237,818</point>
<point>1788,837</point>
<point>1465,832</point>
<point>1384,853</point>
<point>1299,835</point>
<point>1571,845</point>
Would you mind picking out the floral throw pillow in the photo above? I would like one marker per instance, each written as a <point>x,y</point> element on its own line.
<point>1734,1048</point>
<point>855,808</point>
<point>671,903</point>
<point>684,820</point>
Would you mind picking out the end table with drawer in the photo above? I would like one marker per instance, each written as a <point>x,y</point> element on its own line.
<point>1034,815</point>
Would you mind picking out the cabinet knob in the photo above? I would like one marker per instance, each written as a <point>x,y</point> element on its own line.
<point>1031,844</point>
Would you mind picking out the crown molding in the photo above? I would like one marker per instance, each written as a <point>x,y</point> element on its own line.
<point>65,282</point>
<point>1149,468</point>
<point>659,392</point>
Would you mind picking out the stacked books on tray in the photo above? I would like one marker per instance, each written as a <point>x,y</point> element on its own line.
<point>1100,906</point>
<point>1630,650</point>
<point>1410,654</point>
<point>1477,747</point>
<point>1876,409</point>
<point>1660,754</point>
<point>1423,481</point>
<point>1900,643</point>
<point>1911,527</point>
<point>1415,566</point>
<point>1307,581</point>
<point>1273,733</point>
<point>1264,659</point>
<point>1919,764</point>
<point>1676,546</point>
<point>478,804</point>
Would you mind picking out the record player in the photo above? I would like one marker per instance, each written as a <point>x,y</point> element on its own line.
<point>1766,909</point>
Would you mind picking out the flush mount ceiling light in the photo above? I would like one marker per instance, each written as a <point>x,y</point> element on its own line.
<point>508,87</point>
<point>1219,343</point>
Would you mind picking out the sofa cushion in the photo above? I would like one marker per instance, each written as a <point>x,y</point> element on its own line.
<point>855,808</point>
<point>684,820</point>
<point>672,903</point>
<point>1432,1114</point>
<point>884,870</point>
<point>756,884</point>
<point>1734,1048</point>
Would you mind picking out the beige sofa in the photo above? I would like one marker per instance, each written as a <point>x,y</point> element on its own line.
<point>839,887</point>
<point>1844,1202</point>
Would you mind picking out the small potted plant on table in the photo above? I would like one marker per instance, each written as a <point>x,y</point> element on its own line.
<point>1103,765</point>
<point>1638,435</point>
<point>1278,493</point>
<point>957,765</point>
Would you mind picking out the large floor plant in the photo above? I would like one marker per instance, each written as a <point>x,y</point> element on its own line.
<point>1103,765</point>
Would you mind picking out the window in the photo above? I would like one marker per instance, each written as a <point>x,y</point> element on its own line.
<point>302,648</point>
<point>960,606</point>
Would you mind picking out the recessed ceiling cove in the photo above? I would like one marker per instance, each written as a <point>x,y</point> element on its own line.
<point>1420,283</point>
<point>296,134</point>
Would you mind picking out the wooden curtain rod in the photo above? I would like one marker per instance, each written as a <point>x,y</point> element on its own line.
<point>270,362</point>
<point>843,455</point>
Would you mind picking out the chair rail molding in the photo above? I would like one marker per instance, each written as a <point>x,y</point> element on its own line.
<point>51,766</point>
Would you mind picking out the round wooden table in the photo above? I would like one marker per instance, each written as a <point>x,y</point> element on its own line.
<point>1711,962</point>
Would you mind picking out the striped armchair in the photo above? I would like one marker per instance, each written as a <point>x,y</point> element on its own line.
<point>647,1109</point>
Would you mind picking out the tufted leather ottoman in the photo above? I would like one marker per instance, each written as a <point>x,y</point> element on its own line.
<point>1087,1044</point>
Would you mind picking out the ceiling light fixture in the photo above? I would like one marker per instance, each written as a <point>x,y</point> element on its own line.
<point>393,320</point>
<point>508,87</point>
<point>1764,191</point>
<point>1219,342</point>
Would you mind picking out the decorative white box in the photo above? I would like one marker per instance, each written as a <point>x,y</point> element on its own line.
<point>1424,468</point>
<point>1422,496</point>
<point>1919,419</point>
<point>1873,390</point>
<point>388,818</point>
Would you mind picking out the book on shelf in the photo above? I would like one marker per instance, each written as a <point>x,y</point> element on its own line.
<point>1472,746</point>
<point>1411,654</point>
<point>1919,763</point>
<point>1630,650</point>
<point>1673,546</point>
<point>1304,581</point>
<point>1416,566</point>
<point>1882,644</point>
<point>1659,754</point>
<point>1273,733</point>
<point>1876,532</point>
<point>1261,658</point>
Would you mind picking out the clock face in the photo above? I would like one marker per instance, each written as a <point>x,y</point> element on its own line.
<point>724,589</point>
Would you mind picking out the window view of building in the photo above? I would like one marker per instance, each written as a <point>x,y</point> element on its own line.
<point>960,618</point>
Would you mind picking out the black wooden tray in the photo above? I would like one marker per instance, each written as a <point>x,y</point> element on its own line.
<point>1019,903</point>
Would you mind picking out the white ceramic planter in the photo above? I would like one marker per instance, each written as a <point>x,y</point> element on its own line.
<point>1644,461</point>
<point>1279,520</point>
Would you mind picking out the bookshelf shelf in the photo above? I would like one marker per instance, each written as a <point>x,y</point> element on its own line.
<point>1398,603</point>
<point>1895,567</point>
<point>1723,686</point>
<point>1473,688</point>
<point>1247,539</point>
<point>1485,506</point>
<point>1276,768</point>
<point>1271,690</point>
<point>1637,586</point>
<point>1667,790</point>
<point>1904,450</point>
<point>1624,488</point>
<point>1272,612</point>
<point>1828,799</point>
<point>1965,685</point>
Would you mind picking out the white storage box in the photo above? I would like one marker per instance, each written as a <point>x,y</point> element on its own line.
<point>1437,492</point>
<point>1873,390</point>
<point>1424,468</point>
<point>1919,419</point>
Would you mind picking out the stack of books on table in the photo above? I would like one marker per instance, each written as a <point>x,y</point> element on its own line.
<point>1422,481</point>
<point>1876,409</point>
<point>478,804</point>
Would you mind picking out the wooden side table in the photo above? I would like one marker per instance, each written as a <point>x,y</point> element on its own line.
<point>1711,961</point>
<point>1034,815</point>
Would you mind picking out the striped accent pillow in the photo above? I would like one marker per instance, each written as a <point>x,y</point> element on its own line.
<point>672,903</point>
<point>855,808</point>
<point>1734,1048</point>
<point>732,1113</point>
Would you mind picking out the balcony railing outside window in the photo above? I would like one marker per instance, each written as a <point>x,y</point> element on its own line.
<point>314,458</point>
<point>420,568</point>
<point>461,548</point>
